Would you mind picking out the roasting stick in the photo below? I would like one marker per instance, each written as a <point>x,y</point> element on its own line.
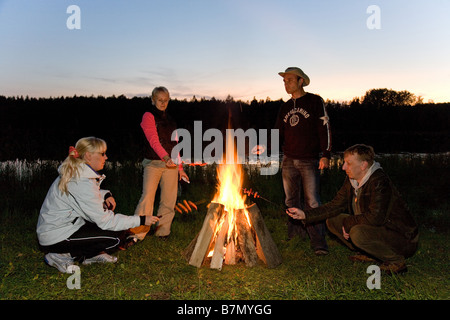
<point>255,195</point>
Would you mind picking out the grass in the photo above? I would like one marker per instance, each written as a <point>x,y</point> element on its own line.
<point>156,270</point>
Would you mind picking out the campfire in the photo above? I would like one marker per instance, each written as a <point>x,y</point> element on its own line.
<point>232,231</point>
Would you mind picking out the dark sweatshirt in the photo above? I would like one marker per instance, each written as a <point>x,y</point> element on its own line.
<point>304,128</point>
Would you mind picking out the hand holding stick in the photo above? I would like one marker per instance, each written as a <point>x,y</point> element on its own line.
<point>296,213</point>
<point>149,220</point>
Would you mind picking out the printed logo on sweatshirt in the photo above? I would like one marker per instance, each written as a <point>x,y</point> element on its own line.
<point>294,120</point>
<point>293,117</point>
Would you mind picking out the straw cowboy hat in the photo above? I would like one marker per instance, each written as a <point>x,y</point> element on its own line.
<point>298,72</point>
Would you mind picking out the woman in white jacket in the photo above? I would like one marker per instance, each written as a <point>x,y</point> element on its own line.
<point>76,222</point>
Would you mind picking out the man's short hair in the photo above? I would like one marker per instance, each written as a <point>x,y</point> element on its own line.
<point>364,152</point>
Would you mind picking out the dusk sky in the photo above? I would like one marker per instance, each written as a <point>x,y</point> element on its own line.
<point>218,48</point>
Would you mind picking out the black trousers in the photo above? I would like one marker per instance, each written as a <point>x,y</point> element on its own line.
<point>88,242</point>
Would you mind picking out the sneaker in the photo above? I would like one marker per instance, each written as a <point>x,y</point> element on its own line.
<point>61,261</point>
<point>391,268</point>
<point>101,258</point>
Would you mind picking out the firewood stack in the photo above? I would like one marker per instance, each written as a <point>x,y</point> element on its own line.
<point>252,242</point>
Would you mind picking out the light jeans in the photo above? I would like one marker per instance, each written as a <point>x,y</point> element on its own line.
<point>157,174</point>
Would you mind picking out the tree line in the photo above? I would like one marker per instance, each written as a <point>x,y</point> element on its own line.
<point>44,128</point>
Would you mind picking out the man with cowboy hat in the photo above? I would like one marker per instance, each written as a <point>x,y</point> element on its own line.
<point>306,140</point>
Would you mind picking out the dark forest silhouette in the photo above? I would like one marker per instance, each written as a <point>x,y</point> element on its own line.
<point>44,128</point>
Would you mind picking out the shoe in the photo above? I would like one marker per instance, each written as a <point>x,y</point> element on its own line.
<point>163,238</point>
<point>139,230</point>
<point>138,233</point>
<point>61,261</point>
<point>391,268</point>
<point>101,258</point>
<point>130,241</point>
<point>320,252</point>
<point>359,257</point>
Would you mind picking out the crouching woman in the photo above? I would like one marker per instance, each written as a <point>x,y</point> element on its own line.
<point>77,222</point>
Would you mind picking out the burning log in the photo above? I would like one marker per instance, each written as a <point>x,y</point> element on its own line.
<point>230,255</point>
<point>245,239</point>
<point>266,248</point>
<point>219,247</point>
<point>203,239</point>
<point>250,241</point>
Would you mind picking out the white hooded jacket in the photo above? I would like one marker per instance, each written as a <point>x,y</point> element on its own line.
<point>63,214</point>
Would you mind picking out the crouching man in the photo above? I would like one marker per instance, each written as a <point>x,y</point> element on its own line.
<point>368,213</point>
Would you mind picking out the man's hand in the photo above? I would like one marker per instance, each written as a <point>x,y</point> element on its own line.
<point>296,213</point>
<point>324,163</point>
<point>345,234</point>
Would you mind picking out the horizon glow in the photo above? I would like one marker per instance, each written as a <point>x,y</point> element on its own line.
<point>218,48</point>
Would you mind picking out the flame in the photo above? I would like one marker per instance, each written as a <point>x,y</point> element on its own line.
<point>229,178</point>
<point>229,185</point>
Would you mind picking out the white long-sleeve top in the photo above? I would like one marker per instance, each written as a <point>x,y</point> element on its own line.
<point>63,214</point>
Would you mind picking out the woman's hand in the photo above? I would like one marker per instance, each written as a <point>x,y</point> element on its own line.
<point>149,220</point>
<point>170,164</point>
<point>110,203</point>
<point>183,175</point>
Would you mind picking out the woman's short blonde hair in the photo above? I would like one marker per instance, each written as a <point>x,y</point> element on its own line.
<point>158,90</point>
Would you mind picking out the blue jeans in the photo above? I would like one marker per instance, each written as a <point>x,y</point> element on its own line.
<point>302,178</point>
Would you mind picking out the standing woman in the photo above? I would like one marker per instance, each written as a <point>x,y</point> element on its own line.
<point>76,222</point>
<point>159,168</point>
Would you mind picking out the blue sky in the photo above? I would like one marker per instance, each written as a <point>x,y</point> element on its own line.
<point>224,47</point>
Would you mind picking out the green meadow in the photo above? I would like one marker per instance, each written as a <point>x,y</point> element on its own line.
<point>156,270</point>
